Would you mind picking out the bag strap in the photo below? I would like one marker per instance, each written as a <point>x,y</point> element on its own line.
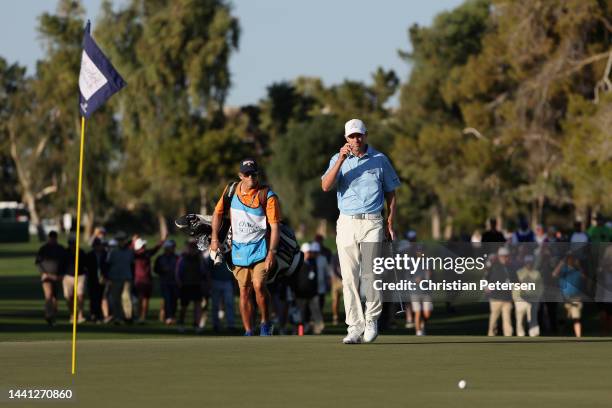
<point>230,190</point>
<point>262,196</point>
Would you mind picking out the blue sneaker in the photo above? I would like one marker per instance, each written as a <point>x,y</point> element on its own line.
<point>248,333</point>
<point>265,329</point>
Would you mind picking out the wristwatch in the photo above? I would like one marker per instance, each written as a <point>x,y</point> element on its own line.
<point>274,251</point>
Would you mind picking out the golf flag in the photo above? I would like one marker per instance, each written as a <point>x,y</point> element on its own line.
<point>98,79</point>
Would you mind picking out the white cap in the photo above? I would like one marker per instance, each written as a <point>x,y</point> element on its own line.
<point>139,244</point>
<point>305,247</point>
<point>315,247</point>
<point>354,126</point>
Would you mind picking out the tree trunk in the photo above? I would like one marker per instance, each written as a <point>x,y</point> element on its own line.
<point>588,214</point>
<point>24,182</point>
<point>30,202</point>
<point>448,228</point>
<point>499,217</point>
<point>540,207</point>
<point>89,224</point>
<point>163,224</point>
<point>435,222</point>
<point>322,228</point>
<point>300,232</point>
<point>203,199</point>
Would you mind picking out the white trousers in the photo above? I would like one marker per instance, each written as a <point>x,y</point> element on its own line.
<point>350,233</point>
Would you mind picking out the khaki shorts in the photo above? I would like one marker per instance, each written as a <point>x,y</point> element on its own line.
<point>68,285</point>
<point>247,275</point>
<point>574,310</point>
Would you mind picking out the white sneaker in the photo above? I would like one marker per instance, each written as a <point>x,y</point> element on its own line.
<point>353,338</point>
<point>371,331</point>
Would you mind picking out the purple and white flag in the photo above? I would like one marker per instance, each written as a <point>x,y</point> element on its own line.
<point>98,79</point>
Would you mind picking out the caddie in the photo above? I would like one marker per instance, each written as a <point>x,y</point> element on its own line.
<point>365,180</point>
<point>253,253</point>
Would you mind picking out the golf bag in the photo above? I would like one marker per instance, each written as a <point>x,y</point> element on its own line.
<point>288,257</point>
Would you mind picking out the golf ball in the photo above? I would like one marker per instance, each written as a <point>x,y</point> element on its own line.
<point>462,384</point>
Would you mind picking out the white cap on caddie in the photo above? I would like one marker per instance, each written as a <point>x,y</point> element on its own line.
<point>354,126</point>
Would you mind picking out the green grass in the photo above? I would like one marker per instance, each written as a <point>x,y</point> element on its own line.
<point>318,371</point>
<point>153,365</point>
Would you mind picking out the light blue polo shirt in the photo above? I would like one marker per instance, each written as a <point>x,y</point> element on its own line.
<point>362,182</point>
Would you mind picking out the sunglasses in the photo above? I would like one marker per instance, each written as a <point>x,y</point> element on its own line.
<point>251,174</point>
<point>355,136</point>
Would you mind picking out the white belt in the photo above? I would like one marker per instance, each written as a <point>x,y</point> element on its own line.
<point>373,216</point>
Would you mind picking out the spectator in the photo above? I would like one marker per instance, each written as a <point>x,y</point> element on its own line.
<point>96,277</point>
<point>206,288</point>
<point>336,288</point>
<point>189,276</point>
<point>49,261</point>
<point>68,280</point>
<point>99,233</point>
<point>165,267</point>
<point>545,262</point>
<point>143,279</point>
<point>600,232</point>
<point>604,290</point>
<point>571,277</point>
<point>540,234</point>
<point>524,233</point>
<point>579,243</point>
<point>325,251</point>
<point>526,302</point>
<point>304,286</point>
<point>492,234</point>
<point>500,301</point>
<point>222,291</point>
<point>405,246</point>
<point>120,274</point>
<point>578,235</point>
<point>420,302</point>
<point>280,303</point>
<point>322,268</point>
<point>551,234</point>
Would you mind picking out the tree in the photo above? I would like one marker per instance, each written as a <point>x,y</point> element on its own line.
<point>23,145</point>
<point>296,165</point>
<point>430,149</point>
<point>534,58</point>
<point>174,56</point>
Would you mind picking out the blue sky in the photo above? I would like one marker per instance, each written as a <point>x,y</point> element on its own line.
<point>281,39</point>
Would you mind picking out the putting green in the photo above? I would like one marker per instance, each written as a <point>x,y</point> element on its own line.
<point>317,371</point>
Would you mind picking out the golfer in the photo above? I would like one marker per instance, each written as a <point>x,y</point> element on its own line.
<point>364,180</point>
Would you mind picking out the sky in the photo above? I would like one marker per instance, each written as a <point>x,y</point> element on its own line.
<point>280,39</point>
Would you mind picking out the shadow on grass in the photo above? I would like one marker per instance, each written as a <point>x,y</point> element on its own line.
<point>104,329</point>
<point>18,253</point>
<point>22,288</point>
<point>526,340</point>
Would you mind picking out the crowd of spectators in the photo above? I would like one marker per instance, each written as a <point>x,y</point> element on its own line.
<point>117,276</point>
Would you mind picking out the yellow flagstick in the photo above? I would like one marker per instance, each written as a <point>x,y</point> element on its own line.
<point>78,241</point>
